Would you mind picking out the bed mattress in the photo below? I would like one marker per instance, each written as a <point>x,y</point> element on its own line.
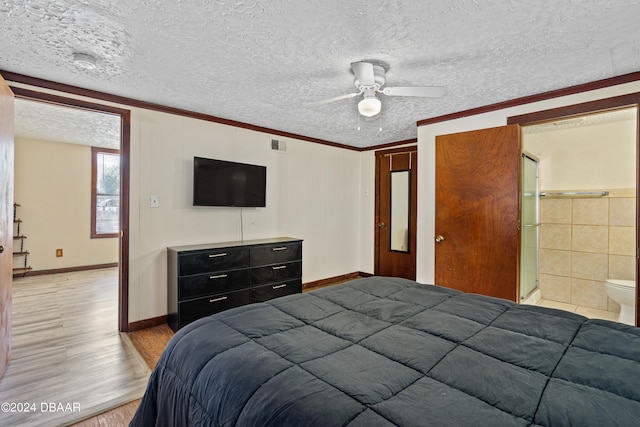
<point>388,351</point>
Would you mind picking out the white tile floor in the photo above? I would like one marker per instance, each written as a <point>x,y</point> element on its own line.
<point>592,313</point>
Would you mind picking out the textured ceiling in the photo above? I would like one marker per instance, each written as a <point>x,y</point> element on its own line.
<point>260,61</point>
<point>37,120</point>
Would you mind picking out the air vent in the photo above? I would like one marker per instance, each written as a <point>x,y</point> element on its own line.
<point>278,145</point>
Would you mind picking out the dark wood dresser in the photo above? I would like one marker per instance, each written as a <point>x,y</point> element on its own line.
<point>206,279</point>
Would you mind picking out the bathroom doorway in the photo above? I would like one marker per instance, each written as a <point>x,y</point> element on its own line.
<point>587,209</point>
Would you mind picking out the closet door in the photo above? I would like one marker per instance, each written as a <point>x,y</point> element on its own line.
<point>396,212</point>
<point>478,211</point>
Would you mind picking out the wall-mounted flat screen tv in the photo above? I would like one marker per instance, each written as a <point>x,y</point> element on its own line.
<point>223,183</point>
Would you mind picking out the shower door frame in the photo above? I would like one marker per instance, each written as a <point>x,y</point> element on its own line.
<point>594,107</point>
<point>521,296</point>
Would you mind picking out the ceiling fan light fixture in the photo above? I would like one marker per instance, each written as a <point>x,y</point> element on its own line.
<point>369,106</point>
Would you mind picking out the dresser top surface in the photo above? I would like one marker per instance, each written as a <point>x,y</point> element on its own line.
<point>242,243</point>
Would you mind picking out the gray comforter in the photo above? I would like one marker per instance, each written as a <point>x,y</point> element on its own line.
<point>387,351</point>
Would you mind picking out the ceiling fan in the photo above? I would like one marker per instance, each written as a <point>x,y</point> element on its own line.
<point>369,80</point>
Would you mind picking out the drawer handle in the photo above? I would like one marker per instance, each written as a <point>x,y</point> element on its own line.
<point>218,299</point>
<point>284,248</point>
<point>217,255</point>
<point>280,267</point>
<point>219,276</point>
<point>279,286</point>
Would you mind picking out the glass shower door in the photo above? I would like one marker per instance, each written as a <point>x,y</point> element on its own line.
<point>530,226</point>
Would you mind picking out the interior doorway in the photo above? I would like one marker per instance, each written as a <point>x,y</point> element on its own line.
<point>123,119</point>
<point>396,212</point>
<point>588,187</point>
<point>580,112</point>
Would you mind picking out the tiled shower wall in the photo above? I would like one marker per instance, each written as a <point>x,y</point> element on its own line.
<point>582,243</point>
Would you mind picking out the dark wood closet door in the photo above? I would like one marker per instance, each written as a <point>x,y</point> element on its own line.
<point>478,211</point>
<point>6,221</point>
<point>395,241</point>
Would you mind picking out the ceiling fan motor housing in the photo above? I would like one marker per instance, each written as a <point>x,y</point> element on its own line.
<point>378,77</point>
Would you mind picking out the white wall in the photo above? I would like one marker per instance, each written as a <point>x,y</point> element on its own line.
<point>597,157</point>
<point>53,187</point>
<point>367,210</point>
<point>313,193</point>
<point>426,156</point>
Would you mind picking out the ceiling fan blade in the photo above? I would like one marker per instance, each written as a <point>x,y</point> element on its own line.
<point>363,72</point>
<point>421,91</point>
<point>334,99</point>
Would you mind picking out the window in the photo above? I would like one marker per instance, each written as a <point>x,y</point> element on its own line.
<point>105,192</point>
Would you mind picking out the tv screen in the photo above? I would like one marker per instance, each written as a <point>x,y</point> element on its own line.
<point>222,183</point>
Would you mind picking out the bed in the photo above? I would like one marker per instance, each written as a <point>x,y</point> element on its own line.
<point>387,351</point>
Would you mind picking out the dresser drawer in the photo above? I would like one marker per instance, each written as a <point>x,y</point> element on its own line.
<point>274,254</point>
<point>197,308</point>
<point>213,260</point>
<point>275,290</point>
<point>212,283</point>
<point>276,273</point>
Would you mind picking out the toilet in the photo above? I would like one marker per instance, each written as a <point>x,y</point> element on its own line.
<point>624,293</point>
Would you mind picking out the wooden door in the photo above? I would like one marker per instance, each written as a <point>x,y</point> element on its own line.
<point>396,212</point>
<point>478,211</point>
<point>6,221</point>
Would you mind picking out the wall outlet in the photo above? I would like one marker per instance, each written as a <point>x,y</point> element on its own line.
<point>154,201</point>
<point>58,253</point>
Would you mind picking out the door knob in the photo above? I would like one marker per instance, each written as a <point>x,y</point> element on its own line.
<point>439,238</point>
<point>1,249</point>
<point>381,224</point>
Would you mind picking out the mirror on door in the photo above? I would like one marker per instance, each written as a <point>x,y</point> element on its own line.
<point>400,208</point>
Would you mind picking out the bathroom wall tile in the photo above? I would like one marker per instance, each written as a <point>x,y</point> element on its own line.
<point>575,260</point>
<point>622,267</point>
<point>589,266</point>
<point>622,211</point>
<point>590,211</point>
<point>556,262</point>
<point>555,211</point>
<point>590,238</point>
<point>622,240</point>
<point>555,288</point>
<point>589,293</point>
<point>555,236</point>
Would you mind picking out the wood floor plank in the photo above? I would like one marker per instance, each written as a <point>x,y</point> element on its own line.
<point>66,349</point>
<point>151,341</point>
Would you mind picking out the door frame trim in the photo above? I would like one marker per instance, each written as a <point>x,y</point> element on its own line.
<point>125,154</point>
<point>593,107</point>
<point>376,213</point>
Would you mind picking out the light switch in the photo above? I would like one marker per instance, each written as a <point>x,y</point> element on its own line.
<point>154,202</point>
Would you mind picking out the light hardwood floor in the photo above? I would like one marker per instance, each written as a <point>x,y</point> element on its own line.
<point>149,343</point>
<point>66,349</point>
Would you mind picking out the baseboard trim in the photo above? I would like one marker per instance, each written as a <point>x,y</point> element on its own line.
<point>147,323</point>
<point>332,280</point>
<point>67,269</point>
